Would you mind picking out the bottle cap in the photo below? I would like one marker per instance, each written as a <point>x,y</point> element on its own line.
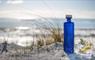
<point>68,17</point>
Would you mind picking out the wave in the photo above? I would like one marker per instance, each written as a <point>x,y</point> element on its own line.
<point>23,35</point>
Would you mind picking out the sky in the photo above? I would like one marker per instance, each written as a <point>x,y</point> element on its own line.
<point>30,9</point>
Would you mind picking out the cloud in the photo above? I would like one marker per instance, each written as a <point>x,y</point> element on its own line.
<point>61,13</point>
<point>17,14</point>
<point>83,14</point>
<point>14,1</point>
<point>32,14</point>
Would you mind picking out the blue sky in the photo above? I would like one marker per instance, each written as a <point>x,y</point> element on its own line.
<point>27,9</point>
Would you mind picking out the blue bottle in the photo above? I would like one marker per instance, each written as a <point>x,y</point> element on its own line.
<point>69,35</point>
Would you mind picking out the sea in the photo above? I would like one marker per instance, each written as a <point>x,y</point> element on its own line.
<point>79,23</point>
<point>22,31</point>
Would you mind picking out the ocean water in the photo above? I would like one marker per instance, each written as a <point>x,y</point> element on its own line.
<point>23,35</point>
<point>79,23</point>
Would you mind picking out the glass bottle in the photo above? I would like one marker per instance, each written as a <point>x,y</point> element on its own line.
<point>69,35</point>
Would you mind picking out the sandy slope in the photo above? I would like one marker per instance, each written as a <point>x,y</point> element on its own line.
<point>50,52</point>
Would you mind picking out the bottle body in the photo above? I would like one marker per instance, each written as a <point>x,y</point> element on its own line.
<point>69,37</point>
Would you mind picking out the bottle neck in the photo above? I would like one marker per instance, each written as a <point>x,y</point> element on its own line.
<point>68,20</point>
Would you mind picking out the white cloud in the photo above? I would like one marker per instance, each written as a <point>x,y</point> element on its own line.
<point>31,14</point>
<point>62,13</point>
<point>14,1</point>
<point>83,14</point>
<point>17,14</point>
